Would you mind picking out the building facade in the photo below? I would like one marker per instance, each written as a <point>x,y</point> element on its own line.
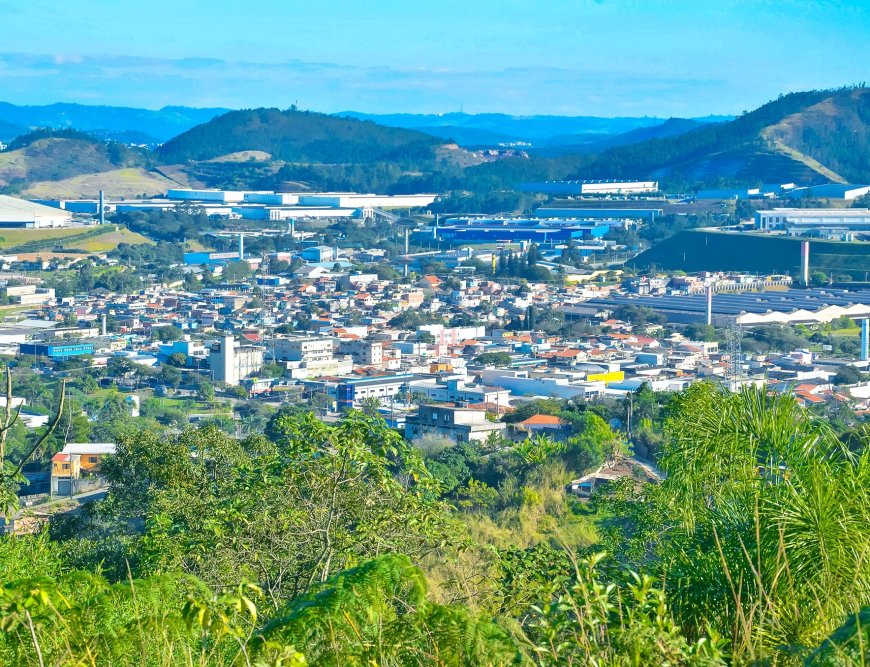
<point>460,424</point>
<point>230,362</point>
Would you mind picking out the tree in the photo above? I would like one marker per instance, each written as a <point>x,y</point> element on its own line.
<point>818,278</point>
<point>755,487</point>
<point>206,391</point>
<point>700,332</point>
<point>494,359</point>
<point>166,334</point>
<point>592,442</point>
<point>847,375</point>
<point>371,406</point>
<point>169,375</point>
<point>177,359</point>
<point>639,315</point>
<point>10,473</point>
<point>287,512</point>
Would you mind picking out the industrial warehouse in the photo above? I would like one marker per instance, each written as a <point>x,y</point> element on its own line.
<point>793,306</point>
<point>840,224</point>
<point>251,205</point>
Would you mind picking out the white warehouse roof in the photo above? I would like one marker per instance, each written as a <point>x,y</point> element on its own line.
<point>13,209</point>
<point>89,448</point>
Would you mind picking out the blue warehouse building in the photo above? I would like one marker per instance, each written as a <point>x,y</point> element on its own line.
<point>649,214</point>
<point>198,258</point>
<point>56,351</point>
<point>506,230</point>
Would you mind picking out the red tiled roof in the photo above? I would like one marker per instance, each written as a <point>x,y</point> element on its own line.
<point>542,420</point>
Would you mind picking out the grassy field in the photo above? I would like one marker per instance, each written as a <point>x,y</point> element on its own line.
<point>129,182</point>
<point>70,238</point>
<point>10,238</point>
<point>699,250</point>
<point>110,241</point>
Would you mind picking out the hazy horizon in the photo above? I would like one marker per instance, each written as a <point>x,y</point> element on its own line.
<point>580,58</point>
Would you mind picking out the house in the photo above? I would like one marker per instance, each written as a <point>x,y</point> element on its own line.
<point>459,423</point>
<point>429,282</point>
<point>75,460</point>
<point>543,424</point>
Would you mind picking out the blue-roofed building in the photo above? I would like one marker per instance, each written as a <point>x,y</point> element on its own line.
<point>516,230</point>
<point>57,351</point>
<point>210,258</point>
<point>599,213</point>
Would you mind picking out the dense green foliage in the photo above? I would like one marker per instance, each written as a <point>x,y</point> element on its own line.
<point>298,136</point>
<point>344,545</point>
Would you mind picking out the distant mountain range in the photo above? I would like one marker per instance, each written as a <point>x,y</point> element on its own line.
<point>808,137</point>
<point>491,128</point>
<point>151,127</point>
<point>111,122</point>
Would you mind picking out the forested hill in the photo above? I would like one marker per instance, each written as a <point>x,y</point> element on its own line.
<point>299,136</point>
<point>53,155</point>
<point>814,136</point>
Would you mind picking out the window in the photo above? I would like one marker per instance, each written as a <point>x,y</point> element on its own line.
<point>93,459</point>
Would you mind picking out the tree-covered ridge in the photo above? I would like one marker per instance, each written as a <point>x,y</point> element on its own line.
<point>52,155</point>
<point>299,136</point>
<point>705,153</point>
<point>345,545</point>
<point>805,137</point>
<point>834,131</point>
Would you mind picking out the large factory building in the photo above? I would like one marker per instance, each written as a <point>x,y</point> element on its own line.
<point>592,188</point>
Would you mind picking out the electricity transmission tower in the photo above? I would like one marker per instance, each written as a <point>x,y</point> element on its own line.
<point>733,336</point>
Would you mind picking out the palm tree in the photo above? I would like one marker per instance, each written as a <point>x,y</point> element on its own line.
<point>766,515</point>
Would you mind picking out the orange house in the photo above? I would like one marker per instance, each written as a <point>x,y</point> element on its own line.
<point>80,457</point>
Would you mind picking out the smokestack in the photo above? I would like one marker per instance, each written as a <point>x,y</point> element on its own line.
<point>805,262</point>
<point>435,228</point>
<point>104,324</point>
<point>241,246</point>
<point>865,339</point>
<point>709,304</point>
<point>102,209</point>
<point>406,269</point>
<point>406,240</point>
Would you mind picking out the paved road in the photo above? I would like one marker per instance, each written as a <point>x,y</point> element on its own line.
<point>78,500</point>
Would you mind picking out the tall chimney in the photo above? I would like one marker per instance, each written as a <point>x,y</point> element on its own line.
<point>406,240</point>
<point>805,262</point>
<point>709,304</point>
<point>104,324</point>
<point>865,339</point>
<point>241,246</point>
<point>102,208</point>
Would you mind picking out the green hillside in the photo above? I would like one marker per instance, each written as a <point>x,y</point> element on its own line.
<point>814,136</point>
<point>54,155</point>
<point>703,250</point>
<point>298,136</point>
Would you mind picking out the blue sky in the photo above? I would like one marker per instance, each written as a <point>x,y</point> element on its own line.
<point>579,57</point>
